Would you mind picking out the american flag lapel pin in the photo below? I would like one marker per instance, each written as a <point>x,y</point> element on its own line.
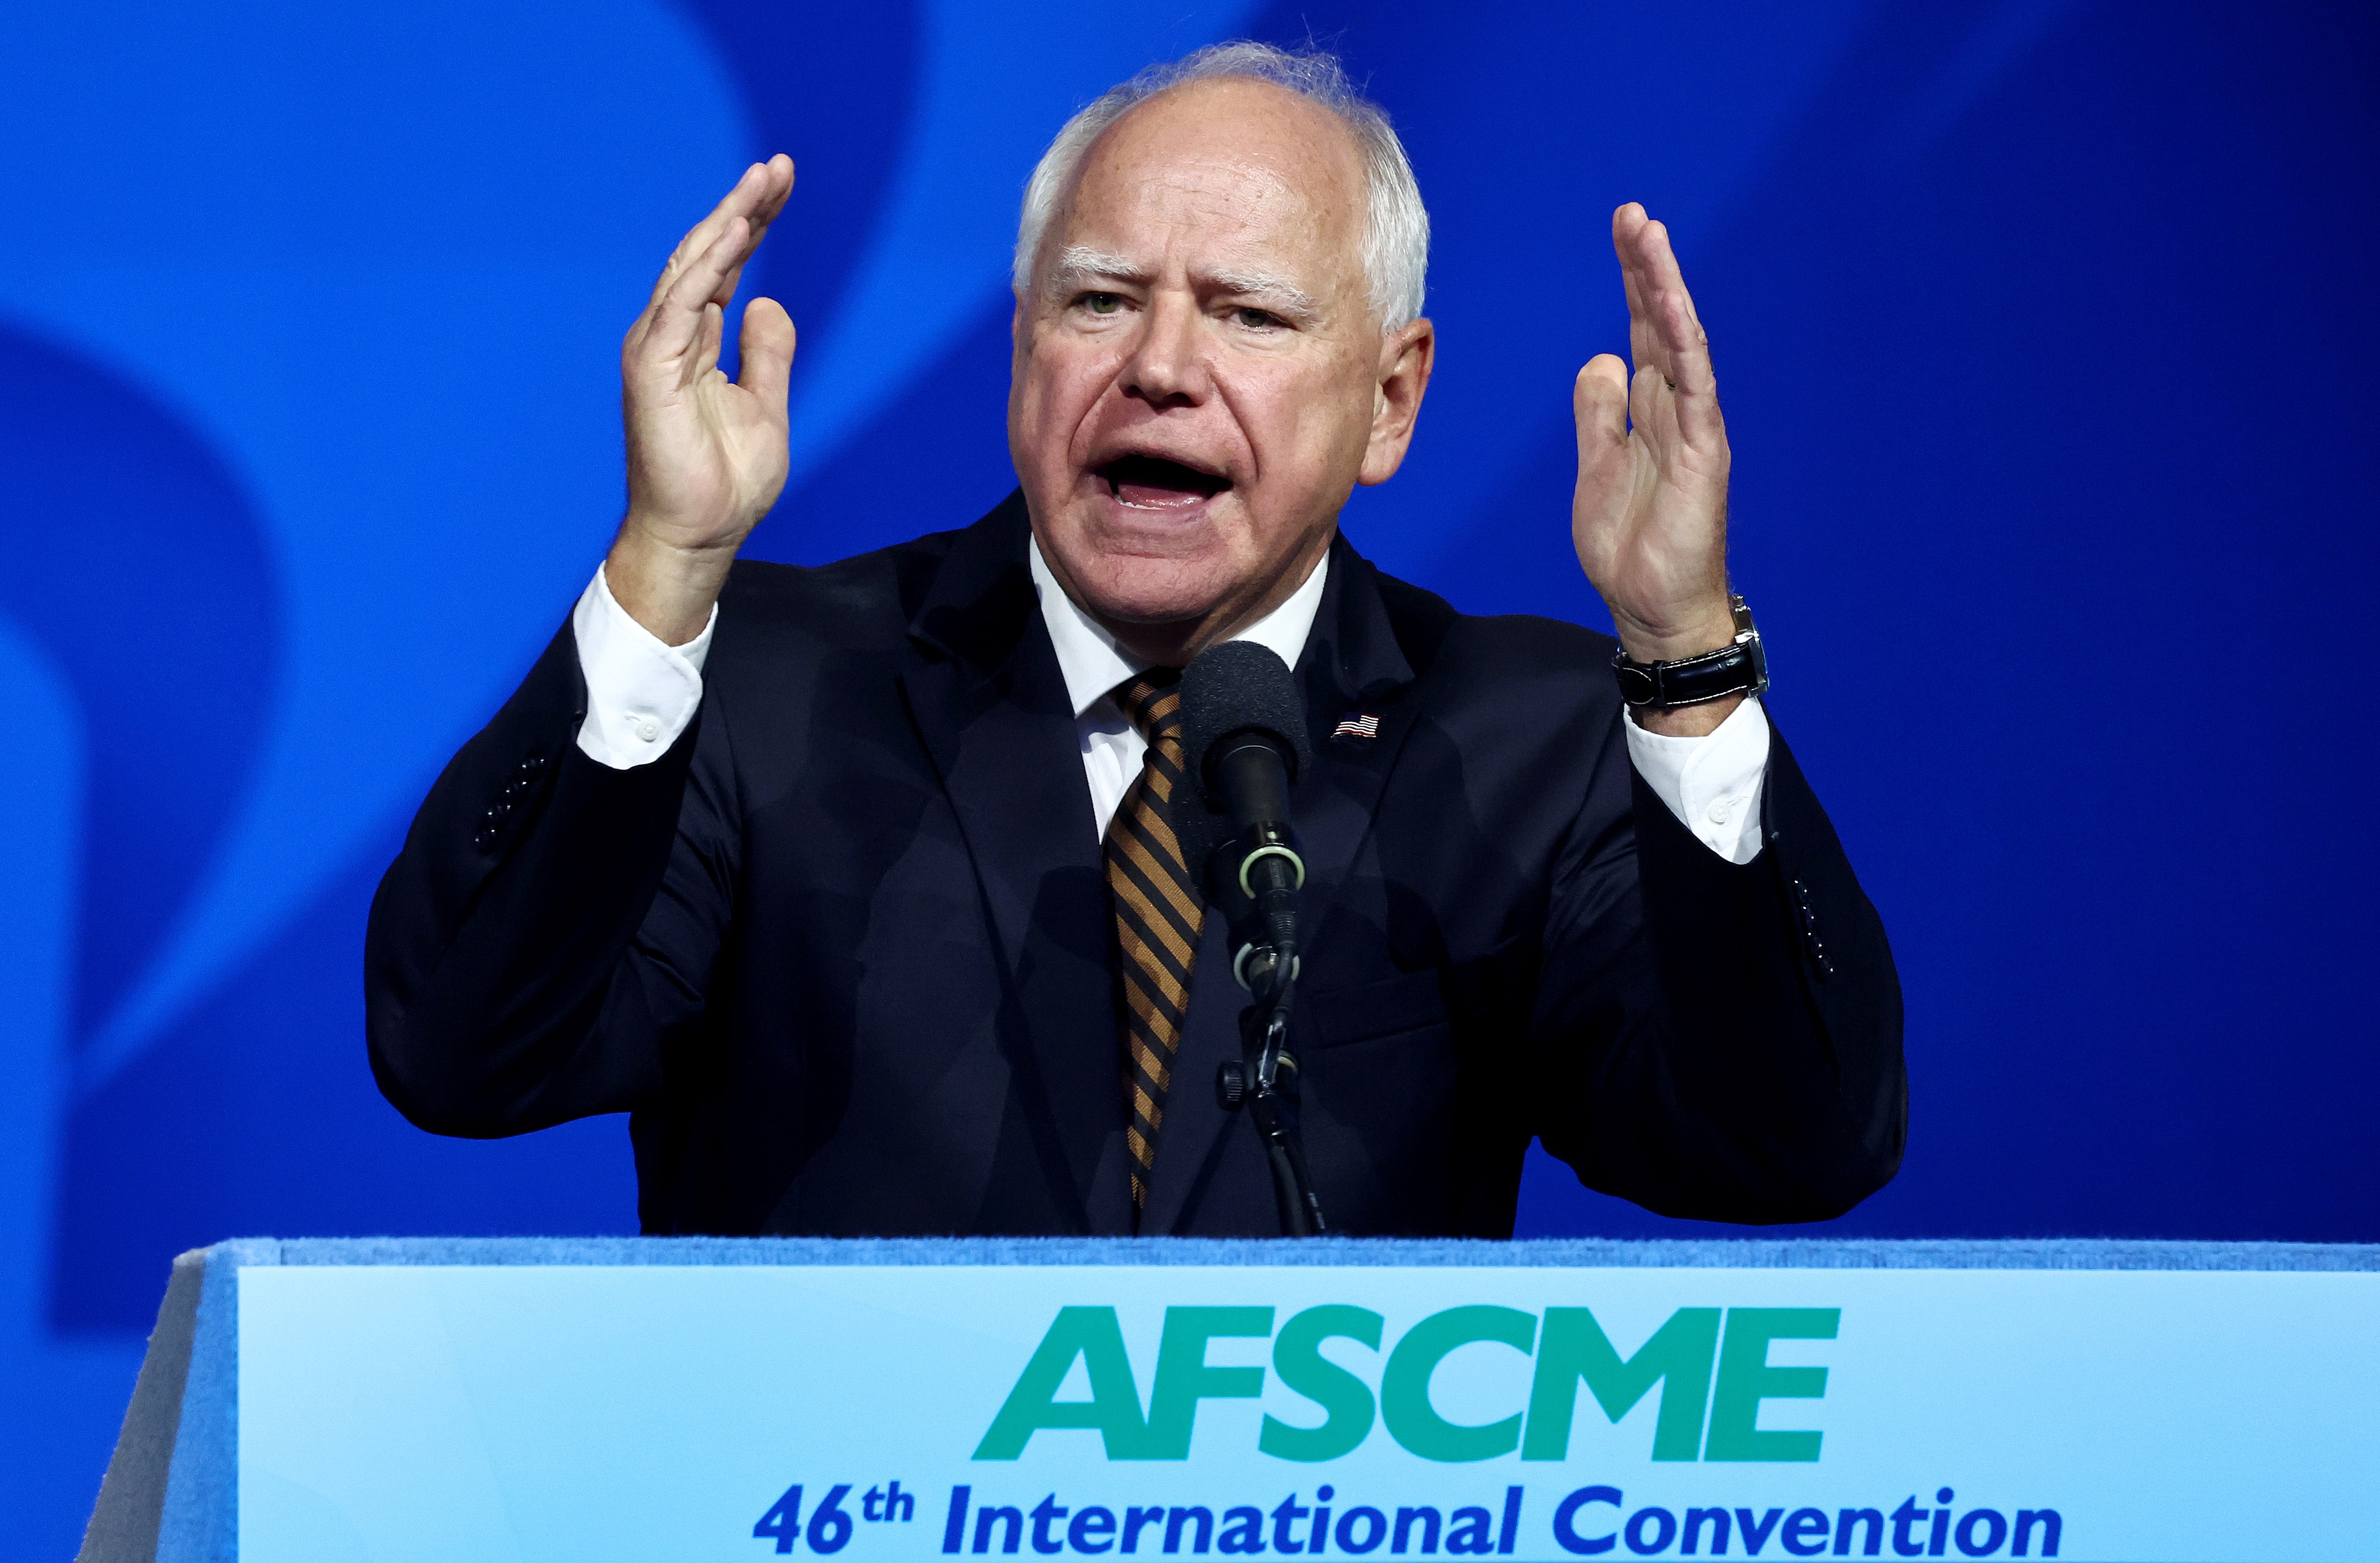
<point>1359,727</point>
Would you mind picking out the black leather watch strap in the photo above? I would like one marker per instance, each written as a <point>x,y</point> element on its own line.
<point>1738,668</point>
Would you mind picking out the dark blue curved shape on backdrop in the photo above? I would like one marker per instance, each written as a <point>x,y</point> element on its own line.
<point>836,81</point>
<point>136,559</point>
<point>257,1099</point>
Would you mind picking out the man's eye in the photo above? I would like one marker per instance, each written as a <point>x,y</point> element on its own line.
<point>1255,318</point>
<point>1103,303</point>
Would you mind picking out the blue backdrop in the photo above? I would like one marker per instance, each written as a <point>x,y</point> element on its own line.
<point>2046,333</point>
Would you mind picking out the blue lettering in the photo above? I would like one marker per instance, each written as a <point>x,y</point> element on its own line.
<point>1966,1535</point>
<point>1667,1524</point>
<point>1565,1517</point>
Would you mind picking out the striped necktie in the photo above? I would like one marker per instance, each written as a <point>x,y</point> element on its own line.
<point>1157,912</point>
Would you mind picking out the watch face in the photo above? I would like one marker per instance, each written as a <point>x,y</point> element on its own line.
<point>1636,685</point>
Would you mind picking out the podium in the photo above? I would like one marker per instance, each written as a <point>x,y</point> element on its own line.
<point>909,1401</point>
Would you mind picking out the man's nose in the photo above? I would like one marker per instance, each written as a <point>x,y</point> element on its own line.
<point>1167,367</point>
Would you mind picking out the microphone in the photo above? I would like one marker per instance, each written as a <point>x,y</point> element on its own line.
<point>1244,738</point>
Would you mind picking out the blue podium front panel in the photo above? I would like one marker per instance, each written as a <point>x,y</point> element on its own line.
<point>905,1414</point>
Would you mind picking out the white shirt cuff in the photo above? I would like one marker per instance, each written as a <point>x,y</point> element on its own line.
<point>640,693</point>
<point>1711,783</point>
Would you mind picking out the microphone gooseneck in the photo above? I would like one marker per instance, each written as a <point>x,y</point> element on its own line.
<point>1244,738</point>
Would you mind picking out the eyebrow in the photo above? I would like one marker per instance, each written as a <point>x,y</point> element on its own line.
<point>1077,264</point>
<point>1278,293</point>
<point>1080,263</point>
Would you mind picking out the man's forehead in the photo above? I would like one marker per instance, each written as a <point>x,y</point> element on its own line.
<point>1252,175</point>
<point>1202,129</point>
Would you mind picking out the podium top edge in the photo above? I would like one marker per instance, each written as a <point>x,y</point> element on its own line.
<point>2061,1254</point>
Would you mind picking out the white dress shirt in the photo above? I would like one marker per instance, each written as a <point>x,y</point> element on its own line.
<point>641,694</point>
<point>1094,664</point>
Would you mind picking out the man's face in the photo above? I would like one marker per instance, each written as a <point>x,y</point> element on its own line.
<point>1199,380</point>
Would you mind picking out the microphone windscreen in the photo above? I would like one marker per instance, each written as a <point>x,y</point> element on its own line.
<point>1231,688</point>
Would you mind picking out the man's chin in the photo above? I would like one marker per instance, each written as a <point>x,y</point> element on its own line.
<point>1153,593</point>
<point>1188,531</point>
<point>1137,575</point>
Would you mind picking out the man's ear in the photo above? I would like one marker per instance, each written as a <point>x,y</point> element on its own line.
<point>1407,356</point>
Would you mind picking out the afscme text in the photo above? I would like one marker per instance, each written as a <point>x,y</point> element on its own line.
<point>1708,1366</point>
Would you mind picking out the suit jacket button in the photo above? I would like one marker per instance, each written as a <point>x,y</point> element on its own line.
<point>1810,940</point>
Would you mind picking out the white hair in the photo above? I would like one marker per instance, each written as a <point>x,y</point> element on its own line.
<point>1396,224</point>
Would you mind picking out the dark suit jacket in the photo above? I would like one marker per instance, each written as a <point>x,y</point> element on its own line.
<point>846,956</point>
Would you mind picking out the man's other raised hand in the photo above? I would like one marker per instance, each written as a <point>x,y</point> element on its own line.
<point>1649,516</point>
<point>707,455</point>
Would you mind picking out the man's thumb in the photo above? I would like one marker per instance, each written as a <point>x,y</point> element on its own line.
<point>766,342</point>
<point>1600,402</point>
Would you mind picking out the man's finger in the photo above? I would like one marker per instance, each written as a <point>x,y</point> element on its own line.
<point>767,344</point>
<point>1669,308</point>
<point>700,237</point>
<point>1669,334</point>
<point>1644,346</point>
<point>677,315</point>
<point>778,186</point>
<point>760,189</point>
<point>1653,410</point>
<point>708,338</point>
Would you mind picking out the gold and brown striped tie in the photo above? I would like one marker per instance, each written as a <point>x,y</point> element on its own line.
<point>1157,912</point>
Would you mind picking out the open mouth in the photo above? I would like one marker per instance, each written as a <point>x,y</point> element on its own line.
<point>1147,482</point>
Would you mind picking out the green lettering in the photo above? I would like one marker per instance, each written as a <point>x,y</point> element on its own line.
<point>1298,1362</point>
<point>1678,1358</point>
<point>1184,1378</point>
<point>1412,1421</point>
<point>1093,1335</point>
<point>1745,1379</point>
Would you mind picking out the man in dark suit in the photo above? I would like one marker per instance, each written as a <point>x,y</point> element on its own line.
<point>795,866</point>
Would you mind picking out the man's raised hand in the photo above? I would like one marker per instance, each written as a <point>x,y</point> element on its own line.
<point>1649,516</point>
<point>707,455</point>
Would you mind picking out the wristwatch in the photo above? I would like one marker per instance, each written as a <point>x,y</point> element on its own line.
<point>1738,668</point>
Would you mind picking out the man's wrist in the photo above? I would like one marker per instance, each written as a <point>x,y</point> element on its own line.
<point>1653,645</point>
<point>667,588</point>
<point>1706,631</point>
<point>1685,684</point>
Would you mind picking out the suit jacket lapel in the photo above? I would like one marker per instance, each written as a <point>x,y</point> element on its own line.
<point>1352,668</point>
<point>1353,665</point>
<point>991,707</point>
